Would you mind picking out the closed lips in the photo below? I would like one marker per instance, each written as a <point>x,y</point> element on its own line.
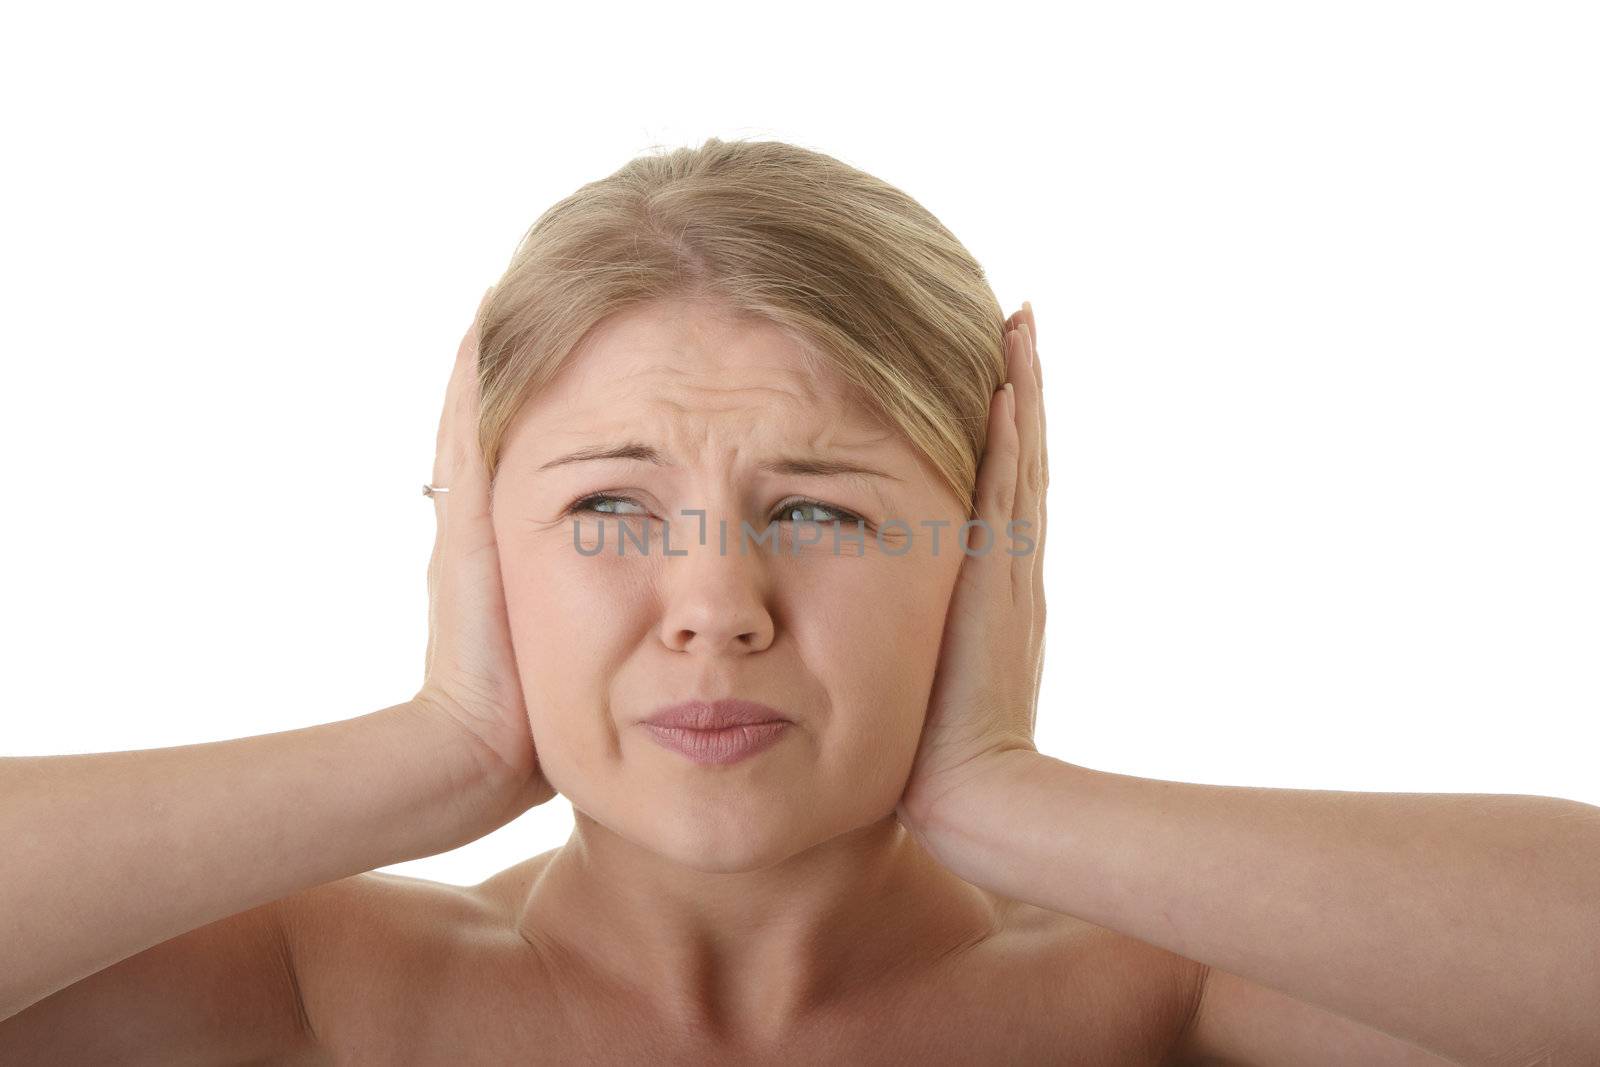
<point>714,714</point>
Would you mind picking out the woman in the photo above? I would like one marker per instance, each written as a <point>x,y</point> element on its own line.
<point>740,498</point>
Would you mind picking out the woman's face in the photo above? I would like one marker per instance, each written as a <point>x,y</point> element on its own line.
<point>842,642</point>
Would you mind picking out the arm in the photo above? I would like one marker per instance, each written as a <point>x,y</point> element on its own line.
<point>149,899</point>
<point>1239,1022</point>
<point>1468,924</point>
<point>1332,924</point>
<point>109,854</point>
<point>225,992</point>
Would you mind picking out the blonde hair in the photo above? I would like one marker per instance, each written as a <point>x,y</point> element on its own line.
<point>865,279</point>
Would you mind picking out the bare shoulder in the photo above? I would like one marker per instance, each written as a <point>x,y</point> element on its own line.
<point>371,911</point>
<point>346,928</point>
<point>393,965</point>
<point>359,945</point>
<point>1110,990</point>
<point>506,889</point>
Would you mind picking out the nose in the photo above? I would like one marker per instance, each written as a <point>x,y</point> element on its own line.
<point>715,599</point>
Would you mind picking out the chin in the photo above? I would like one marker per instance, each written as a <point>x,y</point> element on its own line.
<point>720,838</point>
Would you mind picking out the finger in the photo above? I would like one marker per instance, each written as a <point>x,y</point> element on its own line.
<point>1028,421</point>
<point>1043,513</point>
<point>1038,676</point>
<point>471,491</point>
<point>457,418</point>
<point>996,491</point>
<point>1038,379</point>
<point>1044,501</point>
<point>443,475</point>
<point>447,445</point>
<point>1024,517</point>
<point>458,397</point>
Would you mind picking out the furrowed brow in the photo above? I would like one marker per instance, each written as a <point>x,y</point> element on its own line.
<point>631,450</point>
<point>818,466</point>
<point>799,466</point>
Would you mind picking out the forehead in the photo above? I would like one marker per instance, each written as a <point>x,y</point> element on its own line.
<point>690,370</point>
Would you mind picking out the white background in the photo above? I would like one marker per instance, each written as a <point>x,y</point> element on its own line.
<point>1316,289</point>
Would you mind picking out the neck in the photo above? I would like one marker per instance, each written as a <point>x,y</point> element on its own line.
<point>753,951</point>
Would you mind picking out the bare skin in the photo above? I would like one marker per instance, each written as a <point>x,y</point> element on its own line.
<point>903,878</point>
<point>699,914</point>
<point>397,970</point>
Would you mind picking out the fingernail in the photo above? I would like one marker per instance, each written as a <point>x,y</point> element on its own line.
<point>1011,400</point>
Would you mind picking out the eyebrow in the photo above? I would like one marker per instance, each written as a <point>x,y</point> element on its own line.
<point>820,466</point>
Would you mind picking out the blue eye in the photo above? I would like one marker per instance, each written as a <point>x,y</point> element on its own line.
<point>586,504</point>
<point>785,514</point>
<point>790,509</point>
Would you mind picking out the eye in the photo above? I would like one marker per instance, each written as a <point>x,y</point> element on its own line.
<point>592,504</point>
<point>602,504</point>
<point>792,511</point>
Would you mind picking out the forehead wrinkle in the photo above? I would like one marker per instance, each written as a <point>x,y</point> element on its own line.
<point>697,413</point>
<point>710,384</point>
<point>683,383</point>
<point>666,398</point>
<point>827,419</point>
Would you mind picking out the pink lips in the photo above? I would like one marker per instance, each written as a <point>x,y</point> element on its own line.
<point>719,731</point>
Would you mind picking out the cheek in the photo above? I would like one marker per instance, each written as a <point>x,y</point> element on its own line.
<point>875,641</point>
<point>866,631</point>
<point>566,616</point>
<point>869,635</point>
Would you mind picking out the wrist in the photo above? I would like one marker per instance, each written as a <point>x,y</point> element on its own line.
<point>953,815</point>
<point>481,792</point>
<point>926,801</point>
<point>443,718</point>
